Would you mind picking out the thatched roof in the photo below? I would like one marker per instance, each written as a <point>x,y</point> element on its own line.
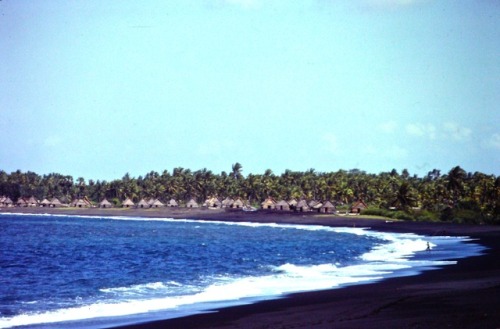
<point>45,202</point>
<point>327,207</point>
<point>227,202</point>
<point>81,203</point>
<point>142,204</point>
<point>293,202</point>
<point>32,201</point>
<point>192,204</point>
<point>105,204</point>
<point>282,205</point>
<point>55,202</point>
<point>302,205</point>
<point>8,201</point>
<point>21,202</point>
<point>269,203</point>
<point>157,204</point>
<point>172,203</point>
<point>238,203</point>
<point>212,203</point>
<point>128,203</point>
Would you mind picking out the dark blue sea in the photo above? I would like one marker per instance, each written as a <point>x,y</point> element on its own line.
<point>85,272</point>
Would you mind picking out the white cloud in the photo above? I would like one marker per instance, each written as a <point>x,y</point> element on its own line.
<point>456,132</point>
<point>421,130</point>
<point>493,142</point>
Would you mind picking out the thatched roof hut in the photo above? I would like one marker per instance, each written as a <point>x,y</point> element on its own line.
<point>54,203</point>
<point>293,203</point>
<point>21,202</point>
<point>81,203</point>
<point>45,203</point>
<point>227,202</point>
<point>212,203</point>
<point>7,202</point>
<point>327,208</point>
<point>192,204</point>
<point>128,203</point>
<point>313,204</point>
<point>157,204</point>
<point>105,204</point>
<point>32,202</point>
<point>238,203</point>
<point>142,204</point>
<point>269,204</point>
<point>282,205</point>
<point>358,206</point>
<point>172,203</point>
<point>302,206</point>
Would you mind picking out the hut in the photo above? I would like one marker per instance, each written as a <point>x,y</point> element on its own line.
<point>293,203</point>
<point>227,202</point>
<point>313,203</point>
<point>7,202</point>
<point>142,204</point>
<point>317,206</point>
<point>358,206</point>
<point>172,203</point>
<point>157,204</point>
<point>81,203</point>
<point>105,204</point>
<point>21,202</point>
<point>238,204</point>
<point>128,203</point>
<point>192,204</point>
<point>45,203</point>
<point>54,203</point>
<point>269,204</point>
<point>282,206</point>
<point>302,206</point>
<point>212,203</point>
<point>31,202</point>
<point>327,208</point>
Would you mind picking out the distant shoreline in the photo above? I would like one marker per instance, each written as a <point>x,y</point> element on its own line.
<point>465,295</point>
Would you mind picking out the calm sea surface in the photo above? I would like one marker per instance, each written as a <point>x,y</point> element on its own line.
<point>65,271</point>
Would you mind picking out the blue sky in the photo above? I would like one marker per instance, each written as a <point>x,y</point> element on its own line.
<point>100,88</point>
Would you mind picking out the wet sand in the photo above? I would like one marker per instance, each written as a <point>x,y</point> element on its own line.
<point>465,295</point>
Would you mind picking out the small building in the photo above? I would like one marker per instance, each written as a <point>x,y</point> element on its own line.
<point>5,201</point>
<point>238,204</point>
<point>157,204</point>
<point>302,206</point>
<point>45,203</point>
<point>212,203</point>
<point>81,203</point>
<point>192,204</point>
<point>31,202</point>
<point>327,208</point>
<point>293,203</point>
<point>55,203</point>
<point>143,204</point>
<point>105,204</point>
<point>21,202</point>
<point>358,206</point>
<point>268,204</point>
<point>172,203</point>
<point>128,203</point>
<point>227,203</point>
<point>283,206</point>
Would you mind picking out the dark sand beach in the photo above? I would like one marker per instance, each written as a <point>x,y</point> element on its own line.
<point>465,295</point>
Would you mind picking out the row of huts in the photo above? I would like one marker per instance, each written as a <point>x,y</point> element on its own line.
<point>271,204</point>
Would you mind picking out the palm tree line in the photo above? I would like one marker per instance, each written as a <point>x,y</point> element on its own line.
<point>435,192</point>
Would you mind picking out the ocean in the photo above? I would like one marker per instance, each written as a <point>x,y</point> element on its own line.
<point>93,272</point>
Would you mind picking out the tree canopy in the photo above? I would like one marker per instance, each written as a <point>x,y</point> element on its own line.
<point>474,195</point>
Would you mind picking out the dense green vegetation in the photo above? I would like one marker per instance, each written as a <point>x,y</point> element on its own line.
<point>455,196</point>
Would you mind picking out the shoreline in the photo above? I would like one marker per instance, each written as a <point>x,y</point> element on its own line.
<point>465,295</point>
